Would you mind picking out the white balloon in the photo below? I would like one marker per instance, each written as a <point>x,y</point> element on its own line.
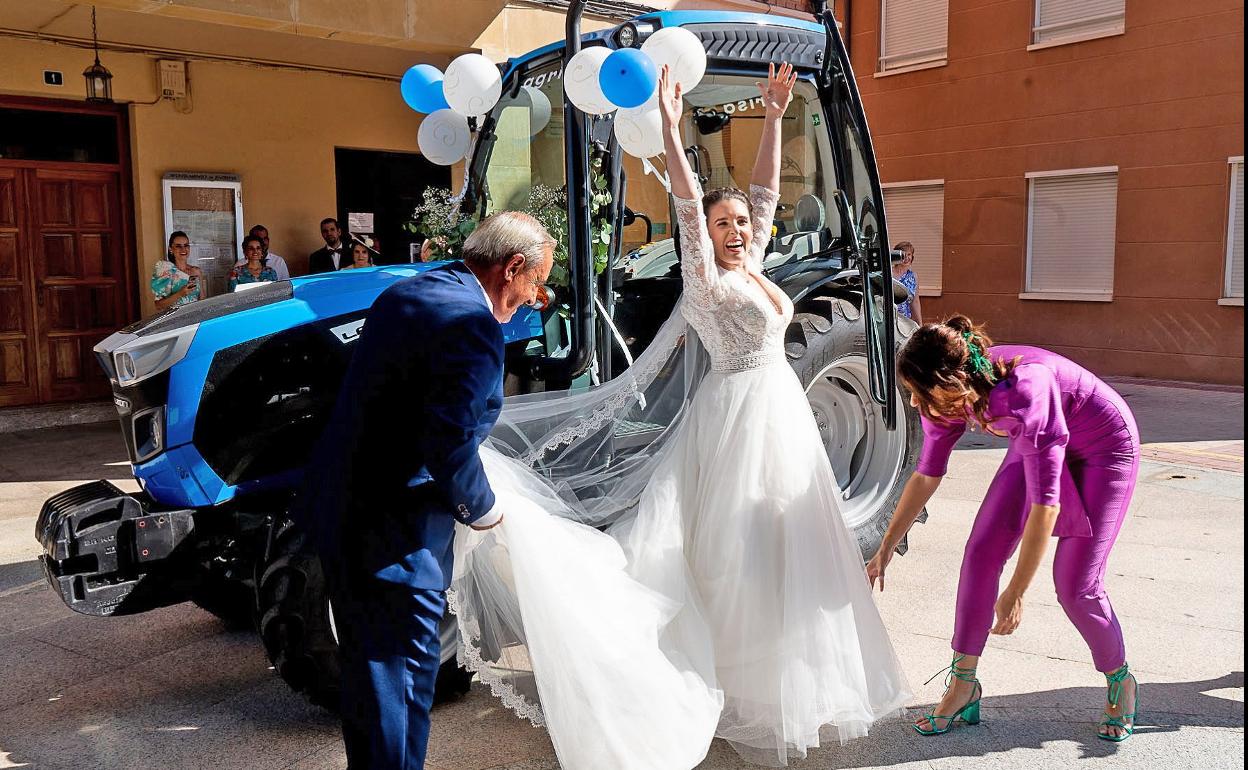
<point>539,108</point>
<point>444,138</point>
<point>681,51</point>
<point>639,130</point>
<point>472,84</point>
<point>580,81</point>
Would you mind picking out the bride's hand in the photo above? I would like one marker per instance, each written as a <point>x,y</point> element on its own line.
<point>877,566</point>
<point>670,99</point>
<point>779,89</point>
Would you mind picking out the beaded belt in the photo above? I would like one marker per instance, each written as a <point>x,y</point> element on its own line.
<point>752,361</point>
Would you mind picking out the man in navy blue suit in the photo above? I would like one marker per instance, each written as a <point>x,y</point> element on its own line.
<point>423,390</point>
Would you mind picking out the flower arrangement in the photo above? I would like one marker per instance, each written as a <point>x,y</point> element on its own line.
<point>440,220</point>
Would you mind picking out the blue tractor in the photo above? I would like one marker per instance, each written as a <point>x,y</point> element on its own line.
<point>220,401</point>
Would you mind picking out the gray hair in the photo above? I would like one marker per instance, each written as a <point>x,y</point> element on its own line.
<point>504,235</point>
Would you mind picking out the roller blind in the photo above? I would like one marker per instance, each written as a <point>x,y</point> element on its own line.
<point>913,32</point>
<point>1058,19</point>
<point>1071,233</point>
<point>1235,235</point>
<point>917,214</point>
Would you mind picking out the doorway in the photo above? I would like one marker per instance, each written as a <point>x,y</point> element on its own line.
<point>385,187</point>
<point>65,214</point>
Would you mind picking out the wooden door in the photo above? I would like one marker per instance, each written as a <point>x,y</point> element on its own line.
<point>67,267</point>
<point>19,367</point>
<point>75,245</point>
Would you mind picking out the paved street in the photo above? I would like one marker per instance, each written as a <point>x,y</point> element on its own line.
<point>173,688</point>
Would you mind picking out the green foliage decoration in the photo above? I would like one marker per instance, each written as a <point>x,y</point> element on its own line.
<point>439,219</point>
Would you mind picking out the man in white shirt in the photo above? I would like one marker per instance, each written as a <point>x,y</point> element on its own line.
<point>271,259</point>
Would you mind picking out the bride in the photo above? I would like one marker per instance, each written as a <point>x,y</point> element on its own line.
<point>728,599</point>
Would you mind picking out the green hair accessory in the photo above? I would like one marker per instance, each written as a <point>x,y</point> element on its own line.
<point>978,362</point>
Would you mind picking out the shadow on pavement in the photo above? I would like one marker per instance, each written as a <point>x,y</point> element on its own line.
<point>19,574</point>
<point>73,452</point>
<point>1032,720</point>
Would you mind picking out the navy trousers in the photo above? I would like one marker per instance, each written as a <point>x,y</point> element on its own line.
<point>390,651</point>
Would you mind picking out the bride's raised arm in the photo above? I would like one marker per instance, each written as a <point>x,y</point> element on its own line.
<point>697,260</point>
<point>776,97</point>
<point>765,181</point>
<point>684,183</point>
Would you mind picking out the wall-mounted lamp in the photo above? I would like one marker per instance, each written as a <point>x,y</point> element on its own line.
<point>99,79</point>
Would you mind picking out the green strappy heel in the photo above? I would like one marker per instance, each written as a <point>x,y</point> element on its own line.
<point>968,713</point>
<point>1126,722</point>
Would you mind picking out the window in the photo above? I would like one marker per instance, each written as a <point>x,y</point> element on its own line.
<point>1071,223</point>
<point>1068,21</point>
<point>1233,287</point>
<point>913,33</point>
<point>916,213</point>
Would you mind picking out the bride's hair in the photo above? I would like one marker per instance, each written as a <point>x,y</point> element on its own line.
<point>720,194</point>
<point>947,368</point>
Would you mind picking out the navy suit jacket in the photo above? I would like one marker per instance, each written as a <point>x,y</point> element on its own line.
<point>423,390</point>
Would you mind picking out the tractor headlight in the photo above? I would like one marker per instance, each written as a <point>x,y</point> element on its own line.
<point>632,34</point>
<point>136,358</point>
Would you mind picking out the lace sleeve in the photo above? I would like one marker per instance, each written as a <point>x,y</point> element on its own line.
<point>697,260</point>
<point>763,204</point>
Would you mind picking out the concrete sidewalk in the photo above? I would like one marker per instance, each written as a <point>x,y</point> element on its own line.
<point>172,688</point>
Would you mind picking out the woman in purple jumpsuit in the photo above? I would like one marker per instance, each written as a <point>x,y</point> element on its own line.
<point>1069,472</point>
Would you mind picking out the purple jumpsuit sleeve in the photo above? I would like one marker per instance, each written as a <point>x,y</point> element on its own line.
<point>938,441</point>
<point>1039,430</point>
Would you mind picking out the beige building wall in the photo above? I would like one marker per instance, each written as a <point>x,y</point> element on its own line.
<point>274,127</point>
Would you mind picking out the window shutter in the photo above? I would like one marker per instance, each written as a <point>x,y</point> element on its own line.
<point>1235,235</point>
<point>917,214</point>
<point>913,32</point>
<point>1071,234</point>
<point>1057,19</point>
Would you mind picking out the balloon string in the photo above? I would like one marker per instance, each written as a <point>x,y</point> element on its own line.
<point>463,189</point>
<point>649,168</point>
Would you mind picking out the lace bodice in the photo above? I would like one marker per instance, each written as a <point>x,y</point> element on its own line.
<point>732,313</point>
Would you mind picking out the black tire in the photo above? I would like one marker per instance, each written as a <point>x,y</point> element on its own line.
<point>827,347</point>
<point>295,625</point>
<point>293,604</point>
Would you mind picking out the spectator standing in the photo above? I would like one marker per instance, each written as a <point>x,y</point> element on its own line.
<point>335,255</point>
<point>271,259</point>
<point>253,270</point>
<point>360,257</point>
<point>174,280</point>
<point>905,275</point>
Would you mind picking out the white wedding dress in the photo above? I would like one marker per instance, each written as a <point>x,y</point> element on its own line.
<point>730,601</point>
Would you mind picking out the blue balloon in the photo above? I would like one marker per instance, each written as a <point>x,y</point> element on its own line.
<point>422,88</point>
<point>628,77</point>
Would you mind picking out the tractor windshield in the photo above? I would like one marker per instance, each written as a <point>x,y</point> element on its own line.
<point>721,130</point>
<point>526,152</point>
<point>520,165</point>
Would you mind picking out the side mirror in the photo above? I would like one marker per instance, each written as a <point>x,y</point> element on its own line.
<point>710,121</point>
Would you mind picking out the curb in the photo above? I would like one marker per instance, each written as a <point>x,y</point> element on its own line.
<point>21,418</point>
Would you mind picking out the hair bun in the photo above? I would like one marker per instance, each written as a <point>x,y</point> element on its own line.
<point>960,324</point>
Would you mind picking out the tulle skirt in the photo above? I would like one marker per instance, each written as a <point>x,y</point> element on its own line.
<point>733,603</point>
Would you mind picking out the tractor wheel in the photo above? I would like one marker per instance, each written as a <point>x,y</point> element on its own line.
<point>827,347</point>
<point>297,625</point>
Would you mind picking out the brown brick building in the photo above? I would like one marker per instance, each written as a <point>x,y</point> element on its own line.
<point>1071,171</point>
